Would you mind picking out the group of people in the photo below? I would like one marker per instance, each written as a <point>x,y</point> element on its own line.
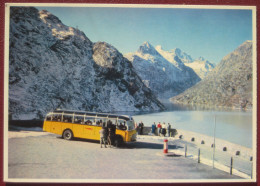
<point>162,129</point>
<point>107,134</point>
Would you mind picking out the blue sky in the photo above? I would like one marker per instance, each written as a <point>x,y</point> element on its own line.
<point>211,33</point>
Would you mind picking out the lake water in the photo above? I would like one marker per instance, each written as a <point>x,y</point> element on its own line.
<point>233,126</point>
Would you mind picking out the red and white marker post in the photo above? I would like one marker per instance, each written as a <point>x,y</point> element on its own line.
<point>165,146</point>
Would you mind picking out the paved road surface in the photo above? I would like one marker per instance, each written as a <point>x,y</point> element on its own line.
<point>51,157</point>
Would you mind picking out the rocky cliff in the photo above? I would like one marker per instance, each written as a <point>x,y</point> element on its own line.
<point>54,66</point>
<point>228,85</point>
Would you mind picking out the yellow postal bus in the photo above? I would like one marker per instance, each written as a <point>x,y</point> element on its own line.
<point>86,125</point>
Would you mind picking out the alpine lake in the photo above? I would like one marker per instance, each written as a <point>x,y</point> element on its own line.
<point>234,126</point>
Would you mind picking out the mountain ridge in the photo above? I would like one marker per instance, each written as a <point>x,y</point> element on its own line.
<point>55,66</point>
<point>228,85</point>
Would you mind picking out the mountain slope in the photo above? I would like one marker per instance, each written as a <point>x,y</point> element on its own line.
<point>165,77</point>
<point>54,66</point>
<point>228,85</point>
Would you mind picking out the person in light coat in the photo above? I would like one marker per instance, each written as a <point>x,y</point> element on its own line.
<point>103,137</point>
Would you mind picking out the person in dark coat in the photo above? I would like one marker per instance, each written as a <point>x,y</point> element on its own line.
<point>169,129</point>
<point>141,128</point>
<point>153,128</point>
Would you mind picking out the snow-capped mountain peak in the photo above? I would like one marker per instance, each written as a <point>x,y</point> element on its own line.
<point>201,59</point>
<point>162,71</point>
<point>201,66</point>
<point>147,48</point>
<point>186,58</point>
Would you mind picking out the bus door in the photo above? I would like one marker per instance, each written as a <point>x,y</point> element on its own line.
<point>89,127</point>
<point>56,123</point>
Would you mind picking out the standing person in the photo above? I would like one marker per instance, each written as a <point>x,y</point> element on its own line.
<point>113,134</point>
<point>159,127</point>
<point>163,129</point>
<point>169,129</point>
<point>136,126</point>
<point>141,127</point>
<point>153,128</point>
<point>103,136</point>
<point>110,136</point>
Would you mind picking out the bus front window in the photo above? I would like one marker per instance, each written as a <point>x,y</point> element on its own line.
<point>130,125</point>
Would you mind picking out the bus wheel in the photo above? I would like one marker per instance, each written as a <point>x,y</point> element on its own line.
<point>67,134</point>
<point>118,141</point>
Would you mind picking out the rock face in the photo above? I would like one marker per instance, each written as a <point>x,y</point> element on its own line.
<point>162,71</point>
<point>228,85</point>
<point>54,66</point>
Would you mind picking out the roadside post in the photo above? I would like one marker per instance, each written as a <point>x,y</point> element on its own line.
<point>214,147</point>
<point>199,156</point>
<point>165,146</point>
<point>185,150</point>
<point>251,160</point>
<point>231,165</point>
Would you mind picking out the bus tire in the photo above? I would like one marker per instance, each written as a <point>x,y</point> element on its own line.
<point>118,141</point>
<point>67,134</point>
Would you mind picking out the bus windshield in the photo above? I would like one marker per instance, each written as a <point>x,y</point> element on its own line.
<point>130,125</point>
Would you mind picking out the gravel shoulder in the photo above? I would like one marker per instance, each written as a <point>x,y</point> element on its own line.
<point>41,156</point>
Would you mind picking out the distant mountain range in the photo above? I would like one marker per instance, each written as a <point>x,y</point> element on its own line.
<point>228,85</point>
<point>168,73</point>
<point>55,66</point>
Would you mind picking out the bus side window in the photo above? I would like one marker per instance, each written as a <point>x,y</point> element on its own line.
<point>79,119</point>
<point>99,122</point>
<point>90,121</point>
<point>56,117</point>
<point>67,118</point>
<point>48,118</point>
